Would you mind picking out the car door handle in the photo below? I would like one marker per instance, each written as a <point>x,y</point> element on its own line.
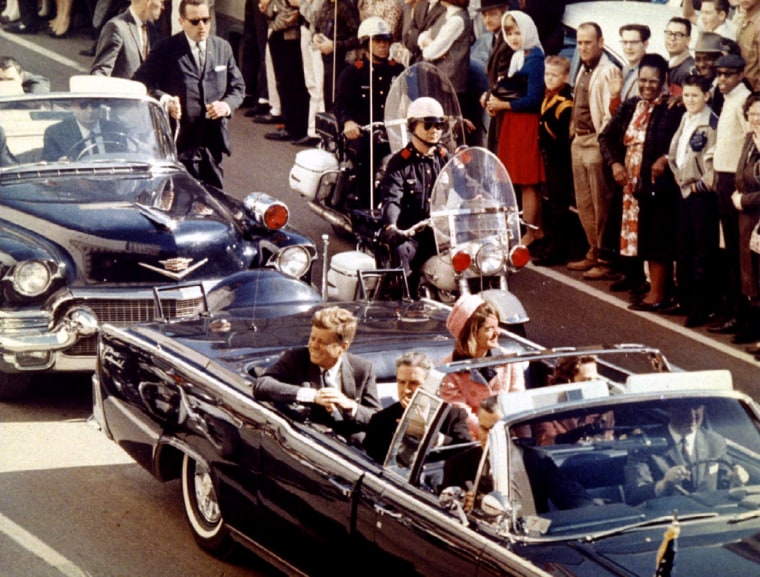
<point>344,488</point>
<point>380,510</point>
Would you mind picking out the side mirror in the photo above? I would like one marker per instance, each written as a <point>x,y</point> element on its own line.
<point>452,499</point>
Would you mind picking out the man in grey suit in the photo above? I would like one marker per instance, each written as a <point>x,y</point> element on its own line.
<point>126,39</point>
<point>339,387</point>
<point>692,462</point>
<point>195,77</point>
<point>82,133</point>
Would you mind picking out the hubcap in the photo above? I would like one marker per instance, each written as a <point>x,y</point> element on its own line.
<point>205,497</point>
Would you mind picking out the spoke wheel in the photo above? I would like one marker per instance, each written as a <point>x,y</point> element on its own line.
<point>202,509</point>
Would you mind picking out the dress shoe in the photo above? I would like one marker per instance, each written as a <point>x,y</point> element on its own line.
<point>674,309</point>
<point>281,134</point>
<point>649,307</point>
<point>600,272</point>
<point>726,328</point>
<point>306,141</point>
<point>258,109</point>
<point>581,265</point>
<point>267,119</point>
<point>21,28</point>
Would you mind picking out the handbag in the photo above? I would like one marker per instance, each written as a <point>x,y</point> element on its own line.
<point>506,94</point>
<point>754,239</point>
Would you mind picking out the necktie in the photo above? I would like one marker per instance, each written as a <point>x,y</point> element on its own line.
<point>201,57</point>
<point>144,41</point>
<point>685,451</point>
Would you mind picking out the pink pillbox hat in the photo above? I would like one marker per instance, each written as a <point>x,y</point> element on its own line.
<point>463,309</point>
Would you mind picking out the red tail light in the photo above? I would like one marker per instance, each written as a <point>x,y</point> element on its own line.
<point>461,261</point>
<point>276,216</point>
<point>519,256</point>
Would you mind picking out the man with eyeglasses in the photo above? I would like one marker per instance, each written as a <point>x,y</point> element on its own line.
<point>83,133</point>
<point>635,40</point>
<point>195,77</point>
<point>731,131</point>
<point>680,64</point>
<point>407,185</point>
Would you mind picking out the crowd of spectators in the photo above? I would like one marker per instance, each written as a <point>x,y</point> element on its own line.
<point>651,171</point>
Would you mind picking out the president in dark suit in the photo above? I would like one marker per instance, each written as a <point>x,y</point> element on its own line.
<point>195,77</point>
<point>82,133</point>
<point>692,462</point>
<point>412,370</point>
<point>126,39</point>
<point>339,387</point>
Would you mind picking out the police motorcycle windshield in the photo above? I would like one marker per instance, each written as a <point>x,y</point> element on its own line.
<point>422,79</point>
<point>474,202</point>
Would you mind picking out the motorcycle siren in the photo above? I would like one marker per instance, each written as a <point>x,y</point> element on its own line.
<point>374,27</point>
<point>428,110</point>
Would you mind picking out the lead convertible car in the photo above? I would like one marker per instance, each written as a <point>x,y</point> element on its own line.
<point>177,396</point>
<point>96,211</point>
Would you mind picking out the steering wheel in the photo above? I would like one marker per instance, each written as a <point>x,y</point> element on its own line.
<point>113,138</point>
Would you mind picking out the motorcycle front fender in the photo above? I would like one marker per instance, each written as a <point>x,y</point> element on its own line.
<point>509,307</point>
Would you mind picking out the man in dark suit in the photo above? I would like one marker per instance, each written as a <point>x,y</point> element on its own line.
<point>692,462</point>
<point>195,77</point>
<point>338,386</point>
<point>82,133</point>
<point>126,39</point>
<point>426,13</point>
<point>412,370</point>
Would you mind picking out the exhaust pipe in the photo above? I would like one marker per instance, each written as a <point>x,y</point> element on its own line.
<point>331,216</point>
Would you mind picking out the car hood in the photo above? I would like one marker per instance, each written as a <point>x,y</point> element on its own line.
<point>143,228</point>
<point>711,547</point>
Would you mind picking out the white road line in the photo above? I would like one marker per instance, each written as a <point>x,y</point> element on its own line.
<point>29,45</point>
<point>38,548</point>
<point>651,317</point>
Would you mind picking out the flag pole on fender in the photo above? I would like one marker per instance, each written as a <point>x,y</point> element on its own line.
<point>666,554</point>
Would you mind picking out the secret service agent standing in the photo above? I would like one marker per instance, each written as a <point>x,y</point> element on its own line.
<point>408,183</point>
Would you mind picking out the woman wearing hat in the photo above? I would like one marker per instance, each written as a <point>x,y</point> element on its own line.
<point>474,324</point>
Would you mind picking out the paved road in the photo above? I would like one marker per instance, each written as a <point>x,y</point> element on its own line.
<point>71,503</point>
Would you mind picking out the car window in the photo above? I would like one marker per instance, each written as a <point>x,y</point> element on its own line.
<point>82,130</point>
<point>608,457</point>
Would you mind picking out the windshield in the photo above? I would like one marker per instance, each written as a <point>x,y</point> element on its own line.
<point>616,464</point>
<point>79,131</point>
<point>473,200</point>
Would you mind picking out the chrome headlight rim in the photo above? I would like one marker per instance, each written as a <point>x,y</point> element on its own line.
<point>32,278</point>
<point>293,261</point>
<point>490,259</point>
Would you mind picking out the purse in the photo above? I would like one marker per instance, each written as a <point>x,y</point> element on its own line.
<point>506,94</point>
<point>754,239</point>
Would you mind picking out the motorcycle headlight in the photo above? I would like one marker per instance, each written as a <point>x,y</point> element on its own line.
<point>31,278</point>
<point>293,261</point>
<point>490,259</point>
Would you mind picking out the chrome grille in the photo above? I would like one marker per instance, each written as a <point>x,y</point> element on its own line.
<point>127,312</point>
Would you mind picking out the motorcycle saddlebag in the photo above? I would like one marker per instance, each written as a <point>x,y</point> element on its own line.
<point>310,167</point>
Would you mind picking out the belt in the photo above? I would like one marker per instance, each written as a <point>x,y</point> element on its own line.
<point>584,131</point>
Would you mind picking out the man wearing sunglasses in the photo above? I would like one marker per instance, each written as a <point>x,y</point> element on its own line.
<point>82,134</point>
<point>195,77</point>
<point>407,185</point>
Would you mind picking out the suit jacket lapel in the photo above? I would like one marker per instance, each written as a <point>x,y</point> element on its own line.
<point>348,382</point>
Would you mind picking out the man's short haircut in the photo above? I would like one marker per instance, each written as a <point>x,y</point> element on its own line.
<point>567,368</point>
<point>415,359</point>
<point>338,320</point>
<point>185,3</point>
<point>595,26</point>
<point>645,33</point>
<point>751,99</point>
<point>7,61</point>
<point>701,82</point>
<point>683,21</point>
<point>720,5</point>
<point>559,61</point>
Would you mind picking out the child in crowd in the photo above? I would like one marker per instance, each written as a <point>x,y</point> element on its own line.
<point>691,160</point>
<point>554,143</point>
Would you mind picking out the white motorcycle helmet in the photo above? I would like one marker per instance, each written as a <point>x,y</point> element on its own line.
<point>424,109</point>
<point>374,27</point>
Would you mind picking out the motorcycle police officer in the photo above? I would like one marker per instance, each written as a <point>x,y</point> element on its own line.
<point>355,91</point>
<point>407,185</point>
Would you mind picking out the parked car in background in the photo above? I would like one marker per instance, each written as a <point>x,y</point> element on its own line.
<point>178,397</point>
<point>91,226</point>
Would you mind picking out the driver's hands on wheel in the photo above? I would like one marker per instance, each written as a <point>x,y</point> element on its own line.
<point>675,476</point>
<point>738,476</point>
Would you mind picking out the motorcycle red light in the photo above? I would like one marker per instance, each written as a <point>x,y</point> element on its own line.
<point>276,216</point>
<point>519,256</point>
<point>461,261</point>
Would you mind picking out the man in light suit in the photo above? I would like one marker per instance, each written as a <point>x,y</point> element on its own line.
<point>339,387</point>
<point>82,133</point>
<point>195,77</point>
<point>126,39</point>
<point>692,462</point>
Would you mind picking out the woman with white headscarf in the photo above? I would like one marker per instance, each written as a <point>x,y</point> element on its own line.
<point>518,97</point>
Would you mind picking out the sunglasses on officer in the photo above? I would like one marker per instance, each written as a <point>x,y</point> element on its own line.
<point>430,122</point>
